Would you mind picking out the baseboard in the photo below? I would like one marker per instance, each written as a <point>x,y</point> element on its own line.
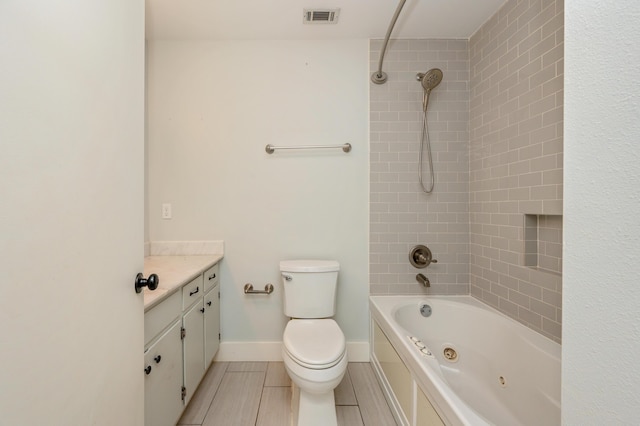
<point>272,351</point>
<point>249,351</point>
<point>358,351</point>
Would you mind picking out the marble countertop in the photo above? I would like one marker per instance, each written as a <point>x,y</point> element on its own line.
<point>173,272</point>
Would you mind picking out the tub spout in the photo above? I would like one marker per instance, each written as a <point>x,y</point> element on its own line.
<point>423,280</point>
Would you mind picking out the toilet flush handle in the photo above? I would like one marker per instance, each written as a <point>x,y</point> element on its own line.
<point>287,277</point>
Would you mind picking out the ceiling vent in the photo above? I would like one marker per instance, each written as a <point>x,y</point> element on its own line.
<point>321,16</point>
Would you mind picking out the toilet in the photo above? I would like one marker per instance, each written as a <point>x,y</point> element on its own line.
<point>314,348</point>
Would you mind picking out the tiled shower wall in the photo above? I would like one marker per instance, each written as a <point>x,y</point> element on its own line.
<point>516,151</point>
<point>401,215</point>
<point>496,128</point>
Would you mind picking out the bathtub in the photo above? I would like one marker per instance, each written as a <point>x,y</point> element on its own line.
<point>465,364</point>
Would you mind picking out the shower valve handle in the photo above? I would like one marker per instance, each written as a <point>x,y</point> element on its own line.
<point>421,257</point>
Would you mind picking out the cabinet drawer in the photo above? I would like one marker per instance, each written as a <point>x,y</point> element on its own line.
<point>160,316</point>
<point>211,277</point>
<point>192,292</point>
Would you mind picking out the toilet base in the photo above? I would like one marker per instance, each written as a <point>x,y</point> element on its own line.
<point>313,409</point>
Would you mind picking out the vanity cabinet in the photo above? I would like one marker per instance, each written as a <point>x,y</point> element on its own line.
<point>193,348</point>
<point>163,378</point>
<point>211,314</point>
<point>182,335</point>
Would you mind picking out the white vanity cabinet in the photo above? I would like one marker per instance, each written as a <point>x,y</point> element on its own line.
<point>193,346</point>
<point>182,335</point>
<point>163,378</point>
<point>163,362</point>
<point>211,314</point>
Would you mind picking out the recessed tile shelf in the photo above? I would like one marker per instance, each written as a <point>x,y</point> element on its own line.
<point>543,242</point>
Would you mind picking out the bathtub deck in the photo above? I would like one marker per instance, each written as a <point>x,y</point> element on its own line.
<point>259,393</point>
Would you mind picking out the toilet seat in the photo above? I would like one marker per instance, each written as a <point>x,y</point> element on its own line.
<point>314,343</point>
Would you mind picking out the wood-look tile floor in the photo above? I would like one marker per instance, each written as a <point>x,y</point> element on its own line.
<point>259,394</point>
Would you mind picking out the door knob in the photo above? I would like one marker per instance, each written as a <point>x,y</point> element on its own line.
<point>151,283</point>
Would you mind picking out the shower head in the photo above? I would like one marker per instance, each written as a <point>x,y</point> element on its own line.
<point>430,79</point>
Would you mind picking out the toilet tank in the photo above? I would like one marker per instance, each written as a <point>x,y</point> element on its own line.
<point>309,287</point>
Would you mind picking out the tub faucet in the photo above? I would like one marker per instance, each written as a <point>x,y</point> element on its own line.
<point>423,280</point>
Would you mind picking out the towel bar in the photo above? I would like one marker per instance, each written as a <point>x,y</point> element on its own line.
<point>270,148</point>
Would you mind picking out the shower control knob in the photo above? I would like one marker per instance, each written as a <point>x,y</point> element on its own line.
<point>421,257</point>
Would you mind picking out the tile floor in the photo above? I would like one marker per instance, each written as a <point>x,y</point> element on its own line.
<point>259,394</point>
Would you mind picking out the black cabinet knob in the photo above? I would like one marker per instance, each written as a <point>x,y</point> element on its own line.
<point>157,359</point>
<point>151,283</point>
<point>209,303</point>
<point>147,370</point>
<point>202,310</point>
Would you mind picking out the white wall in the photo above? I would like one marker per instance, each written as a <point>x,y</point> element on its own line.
<point>212,108</point>
<point>601,336</point>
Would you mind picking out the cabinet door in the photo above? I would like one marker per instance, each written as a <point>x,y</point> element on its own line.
<point>193,348</point>
<point>211,324</point>
<point>163,379</point>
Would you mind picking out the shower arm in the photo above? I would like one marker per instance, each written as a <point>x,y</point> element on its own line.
<point>380,77</point>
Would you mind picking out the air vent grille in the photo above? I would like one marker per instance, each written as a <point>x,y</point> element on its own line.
<point>321,16</point>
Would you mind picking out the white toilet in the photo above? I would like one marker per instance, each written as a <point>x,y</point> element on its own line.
<point>314,349</point>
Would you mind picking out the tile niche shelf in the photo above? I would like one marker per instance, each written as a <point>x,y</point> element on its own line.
<point>543,242</point>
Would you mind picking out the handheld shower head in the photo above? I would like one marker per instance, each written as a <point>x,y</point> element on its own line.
<point>430,79</point>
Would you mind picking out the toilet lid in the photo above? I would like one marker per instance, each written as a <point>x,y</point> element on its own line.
<point>314,343</point>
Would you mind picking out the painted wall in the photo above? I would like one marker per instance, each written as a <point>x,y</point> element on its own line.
<point>212,108</point>
<point>516,151</point>
<point>601,339</point>
<point>401,215</point>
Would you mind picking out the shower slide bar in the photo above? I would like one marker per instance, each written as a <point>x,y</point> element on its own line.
<point>270,148</point>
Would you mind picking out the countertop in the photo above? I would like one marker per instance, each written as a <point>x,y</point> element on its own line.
<point>173,272</point>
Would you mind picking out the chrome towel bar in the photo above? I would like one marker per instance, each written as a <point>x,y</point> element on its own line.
<point>270,148</point>
<point>248,289</point>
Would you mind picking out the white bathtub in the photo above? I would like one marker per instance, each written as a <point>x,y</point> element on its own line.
<point>504,374</point>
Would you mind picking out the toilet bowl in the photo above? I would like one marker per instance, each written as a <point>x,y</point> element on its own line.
<point>314,354</point>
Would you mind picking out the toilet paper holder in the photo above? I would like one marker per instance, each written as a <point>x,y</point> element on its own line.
<point>248,289</point>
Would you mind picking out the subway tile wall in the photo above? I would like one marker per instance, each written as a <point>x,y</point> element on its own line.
<point>401,215</point>
<point>516,118</point>
<point>496,129</point>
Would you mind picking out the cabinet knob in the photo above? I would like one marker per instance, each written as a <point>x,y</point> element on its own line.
<point>157,359</point>
<point>209,303</point>
<point>147,370</point>
<point>191,293</point>
<point>202,310</point>
<point>151,283</point>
